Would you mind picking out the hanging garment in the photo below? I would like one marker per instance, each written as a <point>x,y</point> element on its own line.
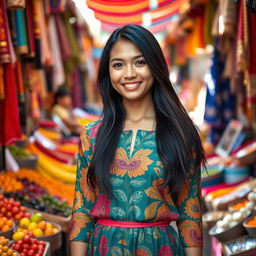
<point>30,28</point>
<point>5,51</point>
<point>16,4</point>
<point>58,75</point>
<point>220,102</point>
<point>21,32</point>
<point>10,129</point>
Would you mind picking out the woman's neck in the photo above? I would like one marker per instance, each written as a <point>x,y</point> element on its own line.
<point>139,115</point>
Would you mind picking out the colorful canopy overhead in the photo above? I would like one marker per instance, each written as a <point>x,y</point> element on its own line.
<point>154,14</point>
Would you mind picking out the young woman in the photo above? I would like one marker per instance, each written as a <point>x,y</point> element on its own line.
<point>139,166</point>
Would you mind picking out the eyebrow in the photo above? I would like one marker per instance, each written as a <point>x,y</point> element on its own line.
<point>119,59</point>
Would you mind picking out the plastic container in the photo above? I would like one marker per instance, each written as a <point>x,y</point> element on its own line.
<point>235,173</point>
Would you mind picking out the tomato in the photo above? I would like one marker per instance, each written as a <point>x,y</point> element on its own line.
<point>17,216</point>
<point>8,207</point>
<point>17,204</point>
<point>26,239</point>
<point>1,197</point>
<point>23,209</point>
<point>15,210</point>
<point>25,246</point>
<point>34,247</point>
<point>31,252</point>
<point>25,251</point>
<point>17,248</point>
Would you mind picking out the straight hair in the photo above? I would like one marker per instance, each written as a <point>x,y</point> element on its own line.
<point>177,137</point>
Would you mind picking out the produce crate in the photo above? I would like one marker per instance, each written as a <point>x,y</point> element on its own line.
<point>62,221</point>
<point>47,251</point>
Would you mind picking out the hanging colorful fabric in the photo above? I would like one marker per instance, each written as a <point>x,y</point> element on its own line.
<point>30,28</point>
<point>1,82</point>
<point>10,129</point>
<point>20,83</point>
<point>5,52</point>
<point>16,4</point>
<point>20,24</point>
<point>57,6</point>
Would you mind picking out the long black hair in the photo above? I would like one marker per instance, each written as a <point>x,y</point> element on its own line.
<point>176,136</point>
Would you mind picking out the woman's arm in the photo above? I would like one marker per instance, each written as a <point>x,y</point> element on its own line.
<point>189,203</point>
<point>193,251</point>
<point>78,248</point>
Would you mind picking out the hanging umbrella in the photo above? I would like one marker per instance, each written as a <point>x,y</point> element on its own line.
<point>154,14</point>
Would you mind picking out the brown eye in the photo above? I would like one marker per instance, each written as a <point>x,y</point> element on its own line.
<point>140,62</point>
<point>117,65</point>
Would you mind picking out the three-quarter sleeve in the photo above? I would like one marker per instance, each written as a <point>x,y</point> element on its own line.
<point>189,204</point>
<point>82,223</point>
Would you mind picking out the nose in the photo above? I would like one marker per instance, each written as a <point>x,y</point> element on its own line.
<point>130,72</point>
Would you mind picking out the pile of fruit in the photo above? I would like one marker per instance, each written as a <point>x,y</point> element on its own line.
<point>34,225</point>
<point>6,224</point>
<point>51,185</point>
<point>29,246</point>
<point>5,250</point>
<point>9,183</point>
<point>12,209</point>
<point>34,196</point>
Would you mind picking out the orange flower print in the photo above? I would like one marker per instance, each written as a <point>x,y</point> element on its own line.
<point>193,208</point>
<point>135,166</point>
<point>79,220</point>
<point>87,192</point>
<point>191,232</point>
<point>79,202</point>
<point>84,142</point>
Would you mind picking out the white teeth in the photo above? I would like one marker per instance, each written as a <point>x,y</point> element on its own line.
<point>132,85</point>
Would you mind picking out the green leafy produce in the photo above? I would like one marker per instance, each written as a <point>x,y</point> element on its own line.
<point>17,151</point>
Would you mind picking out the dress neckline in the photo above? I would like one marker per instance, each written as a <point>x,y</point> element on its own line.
<point>133,130</point>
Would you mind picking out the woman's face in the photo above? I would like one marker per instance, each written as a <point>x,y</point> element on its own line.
<point>129,73</point>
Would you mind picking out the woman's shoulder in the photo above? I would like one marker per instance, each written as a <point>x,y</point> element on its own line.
<point>92,128</point>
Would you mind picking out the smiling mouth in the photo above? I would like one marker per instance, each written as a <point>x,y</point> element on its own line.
<point>131,86</point>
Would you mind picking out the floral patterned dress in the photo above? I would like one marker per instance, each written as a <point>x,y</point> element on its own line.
<point>134,180</point>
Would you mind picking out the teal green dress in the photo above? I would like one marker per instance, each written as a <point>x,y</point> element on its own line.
<point>135,181</point>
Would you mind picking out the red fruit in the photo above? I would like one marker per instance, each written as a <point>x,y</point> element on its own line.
<point>25,246</point>
<point>17,216</point>
<point>15,210</point>
<point>17,248</point>
<point>34,247</point>
<point>31,252</point>
<point>17,204</point>
<point>26,239</point>
<point>11,200</point>
<point>23,254</point>
<point>8,207</point>
<point>25,251</point>
<point>27,214</point>
<point>1,197</point>
<point>30,234</point>
<point>23,209</point>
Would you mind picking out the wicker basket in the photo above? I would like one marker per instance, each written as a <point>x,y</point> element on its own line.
<point>8,234</point>
<point>55,240</point>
